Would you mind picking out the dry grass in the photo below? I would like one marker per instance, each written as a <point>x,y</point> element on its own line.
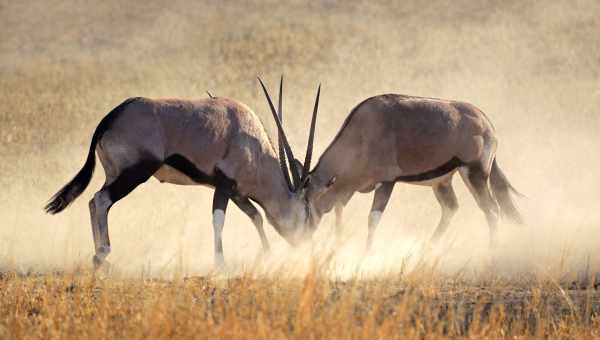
<point>83,306</point>
<point>533,67</point>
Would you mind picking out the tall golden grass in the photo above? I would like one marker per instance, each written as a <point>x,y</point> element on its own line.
<point>417,305</point>
<point>533,67</point>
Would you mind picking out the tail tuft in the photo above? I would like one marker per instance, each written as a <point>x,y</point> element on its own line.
<point>56,204</point>
<point>502,190</point>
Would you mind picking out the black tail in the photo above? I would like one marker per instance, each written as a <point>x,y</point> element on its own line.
<point>77,185</point>
<point>502,190</point>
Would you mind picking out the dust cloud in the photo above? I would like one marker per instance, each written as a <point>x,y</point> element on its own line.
<point>533,67</point>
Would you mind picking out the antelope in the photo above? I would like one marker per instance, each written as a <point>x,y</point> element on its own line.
<point>215,142</point>
<point>394,138</point>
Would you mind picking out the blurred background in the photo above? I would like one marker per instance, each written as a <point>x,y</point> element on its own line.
<point>533,67</point>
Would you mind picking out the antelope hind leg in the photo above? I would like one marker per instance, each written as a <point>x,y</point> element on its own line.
<point>445,195</point>
<point>477,182</point>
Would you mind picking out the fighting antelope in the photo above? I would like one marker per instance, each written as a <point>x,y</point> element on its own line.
<point>395,138</point>
<point>217,142</point>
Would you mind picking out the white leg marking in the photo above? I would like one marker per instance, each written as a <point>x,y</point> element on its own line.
<point>218,219</point>
<point>374,218</point>
<point>218,222</point>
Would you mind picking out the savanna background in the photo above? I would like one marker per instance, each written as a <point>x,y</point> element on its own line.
<point>533,67</point>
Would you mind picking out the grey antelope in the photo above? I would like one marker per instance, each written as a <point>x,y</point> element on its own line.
<point>217,142</point>
<point>396,138</point>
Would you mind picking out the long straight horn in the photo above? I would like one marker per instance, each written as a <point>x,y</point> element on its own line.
<point>282,161</point>
<point>286,145</point>
<point>311,137</point>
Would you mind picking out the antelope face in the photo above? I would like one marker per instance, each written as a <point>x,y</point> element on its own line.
<point>321,196</point>
<point>297,224</point>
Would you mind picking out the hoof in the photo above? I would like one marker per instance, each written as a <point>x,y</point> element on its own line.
<point>266,250</point>
<point>220,263</point>
<point>430,246</point>
<point>339,240</point>
<point>100,263</point>
<point>369,249</point>
<point>221,270</point>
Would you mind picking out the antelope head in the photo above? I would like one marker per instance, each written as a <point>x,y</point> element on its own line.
<point>302,219</point>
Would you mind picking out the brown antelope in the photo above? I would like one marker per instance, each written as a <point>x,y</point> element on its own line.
<point>217,142</point>
<point>395,138</point>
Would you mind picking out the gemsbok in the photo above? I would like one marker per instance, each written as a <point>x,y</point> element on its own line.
<point>216,142</point>
<point>396,138</point>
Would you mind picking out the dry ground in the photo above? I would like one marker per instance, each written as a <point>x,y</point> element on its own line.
<point>533,67</point>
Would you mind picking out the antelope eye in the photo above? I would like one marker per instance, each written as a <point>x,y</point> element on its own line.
<point>331,181</point>
<point>306,182</point>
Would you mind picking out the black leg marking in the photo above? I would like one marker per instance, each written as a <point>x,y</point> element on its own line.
<point>449,204</point>
<point>224,190</point>
<point>249,209</point>
<point>380,201</point>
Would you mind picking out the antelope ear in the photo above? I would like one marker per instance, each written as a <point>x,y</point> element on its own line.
<point>331,181</point>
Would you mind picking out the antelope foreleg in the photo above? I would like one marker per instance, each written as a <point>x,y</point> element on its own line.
<point>339,227</point>
<point>220,201</point>
<point>249,209</point>
<point>380,201</point>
